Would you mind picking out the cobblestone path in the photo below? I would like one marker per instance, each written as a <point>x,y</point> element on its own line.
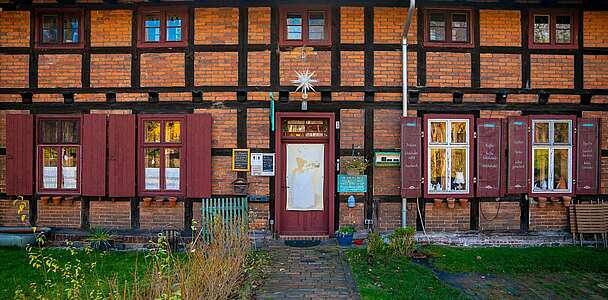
<point>318,272</point>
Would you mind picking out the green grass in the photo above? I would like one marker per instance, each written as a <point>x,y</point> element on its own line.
<point>519,260</point>
<point>396,279</point>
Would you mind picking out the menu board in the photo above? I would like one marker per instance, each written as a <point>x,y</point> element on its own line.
<point>240,160</point>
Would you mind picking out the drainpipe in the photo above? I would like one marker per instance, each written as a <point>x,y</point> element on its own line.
<point>406,28</point>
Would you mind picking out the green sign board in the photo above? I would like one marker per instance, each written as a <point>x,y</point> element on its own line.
<point>352,184</point>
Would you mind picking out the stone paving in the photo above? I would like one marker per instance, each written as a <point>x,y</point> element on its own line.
<point>319,272</point>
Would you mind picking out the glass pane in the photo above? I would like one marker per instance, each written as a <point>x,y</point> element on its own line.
<point>152,131</point>
<point>49,133</point>
<point>438,132</point>
<point>311,128</point>
<point>70,132</point>
<point>152,28</point>
<point>316,26</point>
<point>174,28</point>
<point>540,157</point>
<point>49,168</point>
<point>316,33</point>
<point>560,169</point>
<point>49,29</point>
<point>459,132</point>
<point>172,169</point>
<point>174,21</point>
<point>152,169</point>
<point>69,165</point>
<point>541,29</point>
<point>294,19</point>
<point>562,27</point>
<point>172,131</point>
<point>561,133</point>
<point>458,173</point>
<point>70,30</point>
<point>152,34</point>
<point>437,27</point>
<point>541,132</point>
<point>438,170</point>
<point>459,34</point>
<point>294,32</point>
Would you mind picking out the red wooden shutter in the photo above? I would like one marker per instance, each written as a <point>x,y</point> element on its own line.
<point>198,149</point>
<point>411,166</point>
<point>489,157</point>
<point>517,179</point>
<point>121,163</point>
<point>94,155</point>
<point>19,154</point>
<point>587,156</point>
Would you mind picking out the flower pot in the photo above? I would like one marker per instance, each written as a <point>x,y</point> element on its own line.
<point>555,201</point>
<point>463,202</point>
<point>172,201</point>
<point>352,172</point>
<point>437,202</point>
<point>344,239</point>
<point>567,200</point>
<point>542,202</point>
<point>160,200</point>
<point>57,200</point>
<point>44,200</point>
<point>147,201</point>
<point>451,202</point>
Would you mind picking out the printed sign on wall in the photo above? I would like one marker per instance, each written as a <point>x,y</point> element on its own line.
<point>352,184</point>
<point>262,164</point>
<point>240,160</point>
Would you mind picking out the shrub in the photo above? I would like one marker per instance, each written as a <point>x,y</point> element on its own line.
<point>402,241</point>
<point>375,246</point>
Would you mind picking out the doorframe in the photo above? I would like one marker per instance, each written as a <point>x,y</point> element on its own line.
<point>331,120</point>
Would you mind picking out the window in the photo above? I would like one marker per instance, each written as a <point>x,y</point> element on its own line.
<point>59,28</point>
<point>58,154</point>
<point>551,156</point>
<point>448,143</point>
<point>162,153</point>
<point>305,26</point>
<point>552,29</point>
<point>163,27</point>
<point>448,28</point>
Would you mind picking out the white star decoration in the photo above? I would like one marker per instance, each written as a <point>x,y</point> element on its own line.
<point>305,82</point>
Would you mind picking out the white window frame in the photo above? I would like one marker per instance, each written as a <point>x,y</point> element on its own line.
<point>448,146</point>
<point>551,146</point>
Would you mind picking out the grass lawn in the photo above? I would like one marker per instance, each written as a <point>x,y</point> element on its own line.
<point>498,273</point>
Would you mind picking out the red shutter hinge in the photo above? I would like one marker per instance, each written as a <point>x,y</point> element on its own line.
<point>474,134</point>
<point>421,134</point>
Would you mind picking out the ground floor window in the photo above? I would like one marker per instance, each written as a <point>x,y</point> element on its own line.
<point>551,156</point>
<point>58,154</point>
<point>448,156</point>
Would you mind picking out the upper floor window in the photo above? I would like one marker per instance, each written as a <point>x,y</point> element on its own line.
<point>551,156</point>
<point>58,154</point>
<point>305,26</point>
<point>552,29</point>
<point>160,27</point>
<point>59,28</point>
<point>448,28</point>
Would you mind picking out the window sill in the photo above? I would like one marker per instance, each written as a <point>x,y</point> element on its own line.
<point>534,46</point>
<point>162,44</point>
<point>59,46</point>
<point>448,45</point>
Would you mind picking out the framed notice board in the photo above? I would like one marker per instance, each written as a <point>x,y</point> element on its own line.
<point>240,160</point>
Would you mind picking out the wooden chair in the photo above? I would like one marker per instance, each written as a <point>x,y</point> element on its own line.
<point>591,219</point>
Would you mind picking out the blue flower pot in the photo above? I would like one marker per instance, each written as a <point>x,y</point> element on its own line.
<point>344,239</point>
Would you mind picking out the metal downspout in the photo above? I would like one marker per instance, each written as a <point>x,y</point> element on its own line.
<point>404,96</point>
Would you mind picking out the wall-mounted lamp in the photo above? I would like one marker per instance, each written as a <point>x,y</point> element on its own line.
<point>543,97</point>
<point>457,97</point>
<point>414,96</point>
<point>501,97</point>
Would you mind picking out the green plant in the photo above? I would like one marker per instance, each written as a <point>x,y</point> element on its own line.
<point>345,230</point>
<point>358,164</point>
<point>100,239</point>
<point>376,247</point>
<point>402,241</point>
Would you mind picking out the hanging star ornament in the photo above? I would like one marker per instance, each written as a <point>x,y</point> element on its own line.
<point>305,82</point>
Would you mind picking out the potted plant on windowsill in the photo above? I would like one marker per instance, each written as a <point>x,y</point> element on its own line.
<point>344,235</point>
<point>356,166</point>
<point>437,202</point>
<point>172,201</point>
<point>56,200</point>
<point>147,201</point>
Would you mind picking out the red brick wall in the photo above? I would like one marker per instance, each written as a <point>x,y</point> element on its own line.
<point>500,28</point>
<point>10,97</point>
<point>14,28</point>
<point>388,25</point>
<point>500,70</point>
<point>222,176</point>
<point>162,69</point>
<point>347,96</point>
<point>320,62</point>
<point>551,71</point>
<point>258,216</point>
<point>59,70</point>
<point>351,25</point>
<point>595,71</point>
<point>111,28</point>
<point>62,215</point>
<point>352,70</point>
<point>389,215</point>
<point>387,68</point>
<point>110,214</point>
<point>223,128</point>
<point>503,216</point>
<point>216,68</point>
<point>159,216</point>
<point>387,130</point>
<point>387,181</point>
<point>258,125</point>
<point>258,68</point>
<point>110,70</point>
<point>446,69</point>
<point>447,219</point>
<point>595,27</point>
<point>354,217</point>
<point>89,98</point>
<point>14,70</point>
<point>10,216</point>
<point>549,218</point>
<point>259,25</point>
<point>352,123</point>
<point>259,185</point>
<point>216,25</point>
<point>171,97</point>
